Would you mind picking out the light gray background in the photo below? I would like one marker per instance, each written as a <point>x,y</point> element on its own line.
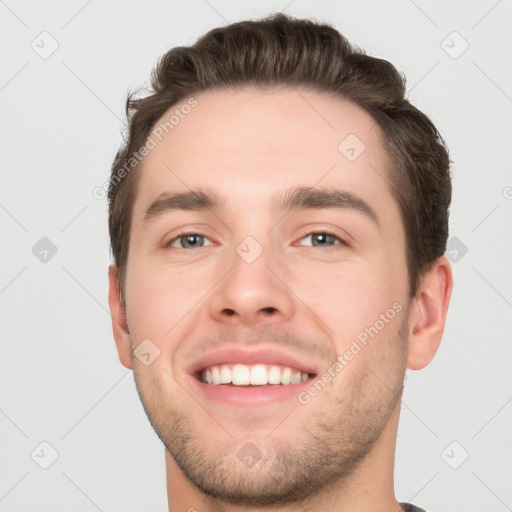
<point>60,379</point>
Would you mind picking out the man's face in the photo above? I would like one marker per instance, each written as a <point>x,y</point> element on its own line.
<point>249,282</point>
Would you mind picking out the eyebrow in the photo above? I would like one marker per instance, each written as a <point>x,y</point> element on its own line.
<point>194,200</point>
<point>313,198</point>
<point>296,198</point>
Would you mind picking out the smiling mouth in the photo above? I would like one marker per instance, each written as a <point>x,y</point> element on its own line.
<point>241,375</point>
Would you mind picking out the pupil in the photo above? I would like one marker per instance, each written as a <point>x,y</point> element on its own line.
<point>321,237</point>
<point>190,239</point>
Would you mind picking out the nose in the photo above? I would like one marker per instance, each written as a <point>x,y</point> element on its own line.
<point>253,292</point>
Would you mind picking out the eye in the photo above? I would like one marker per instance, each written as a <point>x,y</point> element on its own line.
<point>325,239</point>
<point>187,241</point>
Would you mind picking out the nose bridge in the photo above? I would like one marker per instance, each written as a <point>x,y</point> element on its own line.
<point>251,290</point>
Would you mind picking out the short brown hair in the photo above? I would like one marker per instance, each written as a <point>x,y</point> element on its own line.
<point>280,50</point>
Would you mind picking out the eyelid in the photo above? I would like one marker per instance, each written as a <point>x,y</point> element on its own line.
<point>344,237</point>
<point>341,240</point>
<point>181,235</point>
<point>191,230</point>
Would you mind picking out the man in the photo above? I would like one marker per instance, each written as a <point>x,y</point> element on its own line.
<point>278,219</point>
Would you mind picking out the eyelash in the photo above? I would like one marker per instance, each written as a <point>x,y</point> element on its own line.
<point>329,233</point>
<point>320,232</point>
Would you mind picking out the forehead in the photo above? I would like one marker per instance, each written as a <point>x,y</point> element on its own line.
<point>256,141</point>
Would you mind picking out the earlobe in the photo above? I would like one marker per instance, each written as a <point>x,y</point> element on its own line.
<point>119,324</point>
<point>428,314</point>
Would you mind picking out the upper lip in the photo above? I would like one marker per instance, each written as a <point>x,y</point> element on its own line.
<point>250,357</point>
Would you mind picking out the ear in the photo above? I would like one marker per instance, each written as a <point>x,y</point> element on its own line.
<point>428,314</point>
<point>119,325</point>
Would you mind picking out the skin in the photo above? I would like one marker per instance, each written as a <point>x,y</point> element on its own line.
<point>337,451</point>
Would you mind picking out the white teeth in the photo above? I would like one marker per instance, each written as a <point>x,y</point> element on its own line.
<point>274,375</point>
<point>225,374</point>
<point>240,375</point>
<point>256,375</point>
<point>295,378</point>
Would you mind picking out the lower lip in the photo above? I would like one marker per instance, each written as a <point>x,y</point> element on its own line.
<point>252,396</point>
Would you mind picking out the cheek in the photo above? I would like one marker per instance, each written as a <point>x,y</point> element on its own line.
<point>159,296</point>
<point>150,298</point>
<point>364,310</point>
<point>347,301</point>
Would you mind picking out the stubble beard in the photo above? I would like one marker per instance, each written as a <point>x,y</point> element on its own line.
<point>325,450</point>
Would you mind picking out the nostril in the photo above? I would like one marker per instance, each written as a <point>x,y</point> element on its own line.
<point>270,309</point>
